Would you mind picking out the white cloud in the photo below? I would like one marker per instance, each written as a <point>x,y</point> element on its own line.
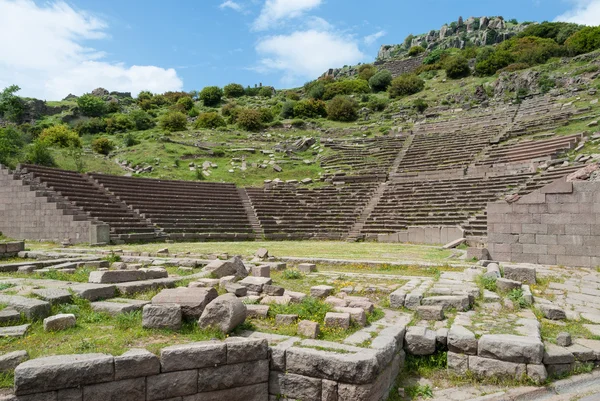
<point>232,5</point>
<point>46,57</point>
<point>586,12</point>
<point>275,11</point>
<point>370,39</point>
<point>306,54</point>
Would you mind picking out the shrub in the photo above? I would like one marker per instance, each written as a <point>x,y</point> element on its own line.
<point>174,97</point>
<point>102,145</point>
<point>406,84</point>
<point>11,142</point>
<point>229,109</point>
<point>91,105</point>
<point>287,110</point>
<point>489,61</point>
<point>61,136</point>
<point>129,140</point>
<point>142,120</point>
<point>194,112</point>
<point>233,90</point>
<point>346,87</point>
<point>420,105</point>
<point>185,103</point>
<point>266,115</point>
<point>173,121</point>
<point>12,107</point>
<point>210,120</point>
<point>265,91</point>
<point>514,67</point>
<point>415,51</point>
<point>119,123</point>
<point>292,274</point>
<point>310,108</point>
<point>557,31</point>
<point>584,41</point>
<point>342,108</point>
<point>293,95</point>
<point>457,67</point>
<point>91,126</point>
<point>435,56</point>
<point>39,153</point>
<point>546,83</point>
<point>250,91</point>
<point>316,91</point>
<point>211,96</point>
<point>249,119</point>
<point>377,103</point>
<point>380,81</point>
<point>532,50</point>
<point>366,71</point>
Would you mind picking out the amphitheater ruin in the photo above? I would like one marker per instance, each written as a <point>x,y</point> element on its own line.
<point>520,300</point>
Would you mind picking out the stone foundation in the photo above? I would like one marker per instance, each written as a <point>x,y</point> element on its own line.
<point>424,235</point>
<point>11,249</point>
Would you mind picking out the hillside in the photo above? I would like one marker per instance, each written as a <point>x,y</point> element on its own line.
<point>249,135</point>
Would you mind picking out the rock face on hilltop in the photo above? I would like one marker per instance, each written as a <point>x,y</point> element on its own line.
<point>478,31</point>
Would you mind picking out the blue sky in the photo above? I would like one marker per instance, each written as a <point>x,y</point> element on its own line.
<point>72,47</point>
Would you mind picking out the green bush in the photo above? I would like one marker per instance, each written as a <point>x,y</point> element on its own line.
<point>90,126</point>
<point>265,91</point>
<point>194,112</point>
<point>316,91</point>
<point>342,108</point>
<point>142,120</point>
<point>172,97</point>
<point>287,110</point>
<point>39,153</point>
<point>415,51</point>
<point>233,90</point>
<point>129,140</point>
<point>91,106</point>
<point>173,121</point>
<point>377,103</point>
<point>420,105</point>
<point>61,136</point>
<point>457,67</point>
<point>11,142</point>
<point>532,50</point>
<point>119,123</point>
<point>310,108</point>
<point>294,96</point>
<point>435,56</point>
<point>489,61</point>
<point>266,115</point>
<point>229,110</point>
<point>557,31</point>
<point>380,81</point>
<point>250,91</point>
<point>514,67</point>
<point>12,107</point>
<point>584,41</point>
<point>406,84</point>
<point>102,145</point>
<point>366,71</point>
<point>249,119</point>
<point>211,96</point>
<point>185,103</point>
<point>210,120</point>
<point>346,87</point>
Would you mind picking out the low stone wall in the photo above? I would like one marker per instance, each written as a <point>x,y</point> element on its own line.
<point>233,370</point>
<point>399,67</point>
<point>558,224</point>
<point>237,369</point>
<point>24,214</point>
<point>424,235</point>
<point>11,249</point>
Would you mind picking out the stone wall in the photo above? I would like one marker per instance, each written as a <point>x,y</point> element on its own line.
<point>399,67</point>
<point>237,369</point>
<point>424,235</point>
<point>26,214</point>
<point>558,224</point>
<point>11,249</point>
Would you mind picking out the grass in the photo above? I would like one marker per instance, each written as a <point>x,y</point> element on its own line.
<point>304,249</point>
<point>550,330</point>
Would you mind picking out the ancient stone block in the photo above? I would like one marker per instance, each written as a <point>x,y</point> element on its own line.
<point>172,384</point>
<point>458,302</point>
<point>256,283</point>
<point>11,360</point>
<point>507,285</point>
<point>461,340</point>
<point>340,320</point>
<point>285,319</point>
<point>294,386</point>
<point>225,312</point>
<point>430,312</point>
<point>130,389</point>
<point>458,364</point>
<point>307,267</point>
<point>321,291</point>
<point>419,341</point>
<point>246,350</point>
<point>523,274</point>
<point>511,348</point>
<point>136,363</point>
<point>261,271</point>
<point>495,368</point>
<point>193,356</point>
<point>257,311</point>
<point>59,322</point>
<point>309,329</point>
<point>163,316</point>
<point>192,300</point>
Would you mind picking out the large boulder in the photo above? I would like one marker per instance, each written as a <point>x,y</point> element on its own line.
<point>192,300</point>
<point>222,268</point>
<point>226,312</point>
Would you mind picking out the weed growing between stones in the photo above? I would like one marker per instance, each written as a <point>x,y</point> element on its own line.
<point>486,282</point>
<point>550,329</point>
<point>292,274</point>
<point>309,309</point>
<point>426,365</point>
<point>419,390</point>
<point>7,379</point>
<point>112,258</point>
<point>5,286</point>
<point>516,295</point>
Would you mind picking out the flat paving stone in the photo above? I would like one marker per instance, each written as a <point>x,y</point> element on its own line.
<point>119,305</point>
<point>8,315</point>
<point>14,331</point>
<point>54,295</point>
<point>94,292</point>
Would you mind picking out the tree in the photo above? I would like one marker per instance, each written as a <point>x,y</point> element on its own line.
<point>61,136</point>
<point>406,84</point>
<point>38,153</point>
<point>342,108</point>
<point>142,120</point>
<point>457,67</point>
<point>173,121</point>
<point>11,142</point>
<point>380,81</point>
<point>211,96</point>
<point>249,119</point>
<point>584,41</point>
<point>12,107</point>
<point>210,120</point>
<point>102,145</point>
<point>233,90</point>
<point>91,106</point>
<point>366,71</point>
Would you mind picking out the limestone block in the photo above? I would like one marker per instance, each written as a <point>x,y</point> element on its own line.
<point>419,341</point>
<point>537,373</point>
<point>458,302</point>
<point>171,384</point>
<point>552,311</point>
<point>256,283</point>
<point>461,340</point>
<point>430,312</point>
<point>193,356</point>
<point>261,271</point>
<point>523,274</point>
<point>340,320</point>
<point>273,290</point>
<point>226,312</point>
<point>564,339</point>
<point>307,328</point>
<point>246,350</point>
<point>458,364</point>
<point>285,319</point>
<point>136,363</point>
<point>397,298</point>
<point>192,300</point>
<point>11,360</point>
<point>321,291</point>
<point>495,368</point>
<point>507,285</point>
<point>294,386</point>
<point>116,276</point>
<point>357,315</point>
<point>162,316</point>
<point>511,348</point>
<point>59,322</point>
<point>307,267</point>
<point>129,389</point>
